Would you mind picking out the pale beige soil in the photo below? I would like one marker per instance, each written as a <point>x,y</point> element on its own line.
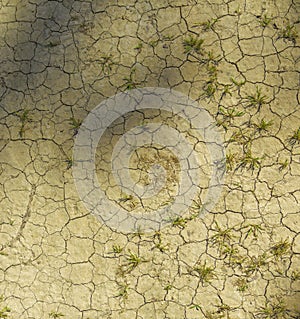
<point>58,61</point>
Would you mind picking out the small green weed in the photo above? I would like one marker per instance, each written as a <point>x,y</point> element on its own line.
<point>283,165</point>
<point>237,83</point>
<point>295,275</point>
<point>248,161</point>
<point>54,314</point>
<point>222,237</point>
<point>24,118</point>
<point>253,230</point>
<point>130,83</point>
<point>288,32</point>
<point>265,21</point>
<point>295,138</point>
<point>106,62</point>
<point>133,260</point>
<point>69,162</point>
<point>209,24</point>
<point>230,113</point>
<point>257,99</point>
<point>4,312</point>
<point>263,125</point>
<point>230,161</point>
<point>274,310</point>
<point>192,44</point>
<point>180,222</point>
<point>117,249</point>
<point>242,284</point>
<point>205,273</point>
<point>196,307</point>
<point>280,249</point>
<point>123,292</point>
<point>75,124</point>
<point>255,263</point>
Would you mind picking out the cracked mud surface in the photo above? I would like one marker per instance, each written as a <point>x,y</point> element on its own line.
<point>59,60</point>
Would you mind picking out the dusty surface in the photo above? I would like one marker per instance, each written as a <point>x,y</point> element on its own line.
<point>58,60</point>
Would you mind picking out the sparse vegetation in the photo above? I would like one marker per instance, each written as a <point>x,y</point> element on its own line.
<point>248,161</point>
<point>265,21</point>
<point>193,45</point>
<point>274,310</point>
<point>209,24</point>
<point>24,118</point>
<point>295,138</point>
<point>106,62</point>
<point>257,99</point>
<point>117,249</point>
<point>75,124</point>
<point>241,284</point>
<point>263,125</point>
<point>133,260</point>
<point>288,32</point>
<point>54,314</point>
<point>283,247</point>
<point>205,273</point>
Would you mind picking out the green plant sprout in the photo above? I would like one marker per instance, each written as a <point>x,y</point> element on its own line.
<point>69,162</point>
<point>263,125</point>
<point>249,161</point>
<point>195,306</point>
<point>192,44</point>
<point>24,118</point>
<point>75,124</point>
<point>237,83</point>
<point>4,312</point>
<point>283,165</point>
<point>274,310</point>
<point>139,46</point>
<point>288,32</point>
<point>230,113</point>
<point>117,249</point>
<point>281,248</point>
<point>265,21</point>
<point>133,260</point>
<point>123,292</point>
<point>295,275</point>
<point>205,273</point>
<point>106,62</point>
<point>255,263</point>
<point>168,287</point>
<point>179,222</point>
<point>295,138</point>
<point>54,314</point>
<point>242,284</point>
<point>157,237</point>
<point>230,161</point>
<point>130,83</point>
<point>253,229</point>
<point>222,237</point>
<point>257,99</point>
<point>209,24</point>
<point>210,89</point>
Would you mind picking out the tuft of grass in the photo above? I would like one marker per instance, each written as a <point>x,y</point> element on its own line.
<point>265,21</point>
<point>253,229</point>
<point>192,44</point>
<point>209,24</point>
<point>257,99</point>
<point>222,237</point>
<point>179,222</point>
<point>242,284</point>
<point>248,161</point>
<point>230,113</point>
<point>106,62</point>
<point>117,249</point>
<point>274,310</point>
<point>24,118</point>
<point>283,165</point>
<point>230,161</point>
<point>263,125</point>
<point>288,32</point>
<point>295,275</point>
<point>255,263</point>
<point>75,124</point>
<point>123,292</point>
<point>4,312</point>
<point>54,314</point>
<point>195,306</point>
<point>205,273</point>
<point>295,138</point>
<point>281,248</point>
<point>133,260</point>
<point>130,83</point>
<point>237,83</point>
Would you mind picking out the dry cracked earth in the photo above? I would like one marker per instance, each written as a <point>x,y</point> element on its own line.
<point>239,59</point>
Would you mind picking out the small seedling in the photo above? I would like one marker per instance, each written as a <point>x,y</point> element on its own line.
<point>263,125</point>
<point>241,284</point>
<point>209,24</point>
<point>133,260</point>
<point>205,273</point>
<point>138,233</point>
<point>283,165</point>
<point>75,125</point>
<point>23,119</point>
<point>257,99</point>
<point>253,229</point>
<point>222,237</point>
<point>295,275</point>
<point>255,263</point>
<point>168,287</point>
<point>106,62</point>
<point>230,113</point>
<point>139,46</point>
<point>192,44</point>
<point>237,83</point>
<point>117,249</point>
<point>265,21</point>
<point>196,307</point>
<point>273,310</point>
<point>289,33</point>
<point>281,248</point>
<point>230,161</point>
<point>210,89</point>
<point>180,222</point>
<point>4,312</point>
<point>249,161</point>
<point>54,314</point>
<point>130,83</point>
<point>295,138</point>
<point>123,292</point>
<point>69,162</point>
